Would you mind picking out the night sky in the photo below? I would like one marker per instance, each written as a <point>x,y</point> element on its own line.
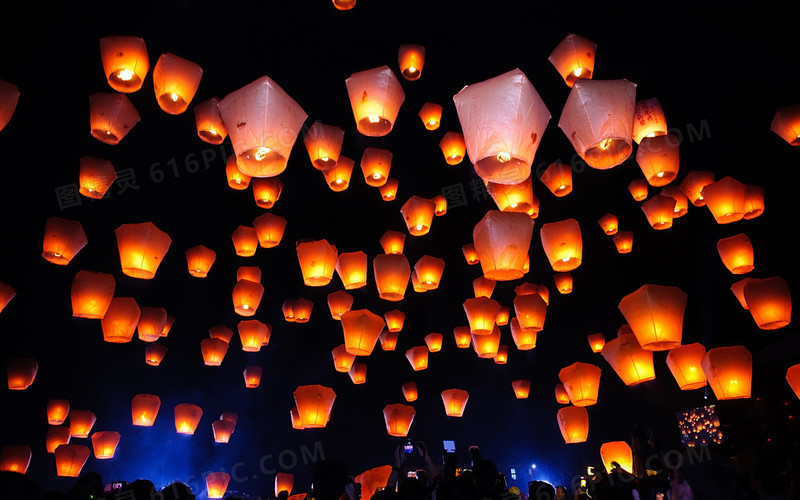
<point>719,87</point>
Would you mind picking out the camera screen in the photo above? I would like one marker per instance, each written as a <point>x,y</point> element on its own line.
<point>449,446</point>
<point>408,448</point>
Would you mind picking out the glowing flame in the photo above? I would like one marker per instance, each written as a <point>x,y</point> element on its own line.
<point>660,174</point>
<point>376,175</point>
<point>125,74</point>
<point>503,157</point>
<point>577,72</point>
<point>419,227</point>
<point>324,158</point>
<point>604,144</point>
<point>374,118</point>
<point>174,97</point>
<point>412,69</point>
<point>262,153</point>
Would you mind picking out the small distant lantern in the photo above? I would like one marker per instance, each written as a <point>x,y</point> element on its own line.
<point>648,120</point>
<point>199,260</point>
<point>786,124</point>
<point>753,201</point>
<point>685,364</point>
<point>236,179</point>
<point>596,342</point>
<point>736,253</point>
<point>221,332</point>
<point>417,357</point>
<point>410,391</point>
<point>503,119</point>
<point>125,62</point>
<point>512,197</point>
<point>15,458</point>
<point>522,388</point>
<point>392,273</point>
<point>633,364</point>
<point>81,423</point>
<point>729,371</point>
<point>9,97</point>
<point>531,311</point>
<point>524,338</point>
<point>141,247</point>
<point>358,373</point>
<point>455,402</point>
<point>655,314</point>
<point>486,346</point>
<point>389,189</point>
<point>246,297</point>
<point>253,334</point>
<point>70,459</point>
<point>223,430</point>
<point>681,202</point>
<point>251,273</point>
<point>638,189</point>
<point>418,214</point>
<point>660,211</point>
<point>56,435</point>
<point>317,261</point>
<point>503,316</point>
<point>769,302</point>
<point>411,58</point>
<point>267,191</point>
<point>175,80</point>
<point>217,484</point>
<point>213,351</point>
<point>393,242</point>
<point>398,418</point>
<point>440,205</point>
<point>95,176</point>
<point>609,223</point>
<point>563,244</point>
<point>434,341</point>
<point>91,294</point>
<point>284,482</point>
<point>573,421</point>
<point>154,354</point>
<point>352,269</point>
<point>470,254</point>
<point>375,165</point>
<point>338,176</point>
<point>692,185</point>
<point>501,357</point>
<point>563,282</point>
<point>429,271</point>
<point>623,240</point>
<point>57,411</point>
<point>619,452</point>
<point>344,4</point>
<point>658,157</point>
<point>119,322</point>
<point>558,179</point>
<point>144,409</point>
<point>483,286</point>
<point>725,199</point>
<point>375,96</point>
<point>314,404</point>
<point>793,377</point>
<point>738,291</point>
<point>482,314</point>
<point>209,123</point>
<point>463,337</point>
<point>268,230</point>
<point>453,147</point>
<point>573,58</point>
<point>63,239</point>
<point>324,145</point>
<point>361,330</point>
<point>111,117</point>
<point>502,240</point>
<point>295,416</point>
<point>581,382</point>
<point>388,340</point>
<point>394,320</point>
<point>431,115</point>
<point>252,376</point>
<point>561,394</point>
<point>342,360</point>
<point>151,323</point>
<point>339,302</point>
<point>187,416</point>
<point>21,372</point>
<point>105,444</point>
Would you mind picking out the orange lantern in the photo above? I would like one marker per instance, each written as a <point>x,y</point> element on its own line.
<point>175,80</point>
<point>70,459</point>
<point>251,273</point>
<point>267,191</point>
<point>786,124</point>
<point>371,481</point>
<point>63,239</point>
<point>573,421</point>
<point>440,205</point>
<point>681,202</point>
<point>633,364</point>
<point>411,59</point>
<point>393,242</point>
<point>295,416</point>
<point>623,240</point>
<point>725,199</point>
<point>95,177</point>
<point>125,62</point>
<point>314,404</point>
<point>338,176</point>
<point>245,241</point>
<point>558,179</point>
<point>394,320</point>
<point>324,145</point>
<point>246,297</point>
<point>57,411</point>
<point>388,340</point>
<point>213,351</point>
<point>288,310</point>
<point>434,341</point>
<point>154,354</point>
<point>502,240</point>
<point>487,346</point>
<point>144,409</point>
<point>685,364</point>
<point>236,179</point>
<point>736,253</point>
<point>209,123</point>
<point>793,377</point>
<point>91,294</point>
<point>431,115</point>
<point>658,157</point>
<point>221,332</point>
<point>753,202</point>
<point>502,316</point>
<point>561,394</point>
<point>217,484</point>
<point>111,117</point>
<point>482,314</point>
<point>503,119</point>
<point>398,418</point>
<point>619,452</point>
<point>283,482</point>
<point>655,314</point>
<point>352,269</point>
<point>418,214</point>
<point>581,381</point>
<point>738,291</point>
<point>81,423</point>
<point>9,97</point>
<point>648,120</point>
<point>563,282</point>
<point>455,401</point>
<point>187,416</point>
<point>21,373</point>
<point>483,287</point>
<point>462,336</point>
<point>267,231</point>
<point>375,96</point>
<point>358,373</point>
<point>531,310</point>
<point>252,376</point>
<point>199,259</point>
<point>361,330</point>
<point>692,185</point>
<point>15,458</point>
<point>392,273</point>
<point>729,371</point>
<point>429,271</point>
<point>598,121</point>
<point>152,321</point>
<point>769,302</point>
<point>563,244</point>
<point>659,210</point>
<point>56,436</point>
<point>470,254</point>
<point>418,358</point>
<point>522,388</point>
<point>168,325</point>
<point>342,360</point>
<point>339,302</point>
<point>524,338</point>
<point>141,249</point>
<point>253,333</point>
<point>410,391</point>
<point>344,4</point>
<point>317,261</point>
<point>263,122</point>
<point>120,321</point>
<point>453,147</point>
<point>609,223</point>
<point>573,58</point>
<point>389,189</point>
<point>222,429</point>
<point>512,197</point>
<point>416,284</point>
<point>596,342</point>
<point>638,189</point>
<point>105,444</point>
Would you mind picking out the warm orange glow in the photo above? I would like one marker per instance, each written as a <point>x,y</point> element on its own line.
<point>199,260</point>
<point>388,340</point>
<point>793,377</point>
<point>725,199</point>
<point>786,124</point>
<point>21,372</point>
<point>253,334</point>
<point>105,444</point>
<point>56,435</point>
<point>236,179</point>
<point>512,197</point>
<point>483,287</point>
<point>531,311</point>
<point>596,342</point>
<point>736,253</point>
<point>63,239</point>
<point>659,210</point>
<point>15,458</point>
<point>314,404</point>
<point>267,232</point>
<point>267,191</point>
<point>753,202</point>
<point>95,177</point>
<point>429,271</point>
<point>339,302</point>
<point>295,417</point>
<point>111,117</point>
<point>217,484</point>
<point>558,179</point>
<point>573,421</point>
<point>692,185</point>
<point>486,346</point>
<point>563,244</point>
<point>223,430</point>
<point>352,269</point>
<point>609,223</point>
<point>455,401</point>
<point>342,360</point>
<point>175,80</point>
<point>681,202</point>
<point>655,314</point>
<point>463,337</point>
<point>502,240</point>
<point>729,371</point>
<point>70,459</point>
<point>453,147</point>
<point>769,302</point>
<point>392,273</point>
<point>57,411</point>
<point>623,240</point>
<point>648,120</point>
<point>81,423</point>
<point>501,356</point>
<point>144,409</point>
<point>398,418</point>
<point>573,58</point>
<point>375,165</point>
<point>91,294</point>
<point>213,351</point>
<point>246,297</point>
<point>324,145</point>
<point>482,314</point>
<point>119,322</point>
<point>394,320</point>
<point>633,364</point>
<point>431,115</point>
<point>221,332</point>
<point>638,189</point>
<point>317,261</point>
<point>393,242</point>
<point>125,62</point>
<point>209,123</point>
<point>283,482</point>
<point>470,254</point>
<point>658,158</point>
<point>187,416</point>
<point>152,321</point>
<point>581,382</point>
<point>154,353</point>
<point>619,452</point>
<point>389,189</point>
<point>417,357</point>
<point>561,394</point>
<point>142,248</point>
<point>563,282</point>
<point>358,373</point>
<point>684,362</point>
<point>338,176</point>
<point>361,329</point>
<point>418,214</point>
<point>522,388</point>
<point>503,315</point>
<point>344,4</point>
<point>440,205</point>
<point>434,341</point>
<point>410,391</point>
<point>411,58</point>
<point>252,376</point>
<point>375,97</point>
<point>524,339</point>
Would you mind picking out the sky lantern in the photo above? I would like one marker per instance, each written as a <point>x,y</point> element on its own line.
<point>246,297</point>
<point>410,391</point>
<point>738,291</point>
<point>21,372</point>
<point>596,342</point>
<point>57,411</point>
<point>151,323</point>
<point>729,371</point>
<point>440,205</point>
<point>736,253</point>
<point>418,214</point>
<point>209,123</point>
<point>375,96</point>
<point>573,421</point>
<point>684,362</point>
<point>753,201</point>
<point>9,97</point>
<point>503,119</point>
<point>338,176</point>
<point>455,401</point>
<point>119,322</point>
<point>221,332</point>
<point>154,353</point>
<point>487,346</point>
<point>105,444</point>
<point>411,59</point>
<point>648,120</point>
<point>314,404</point>
<point>352,269</point>
<point>623,240</point>
<point>581,381</point>
<point>512,197</point>
<point>655,314</point>
<point>389,189</point>
<point>398,418</point>
<point>417,357</point>
<point>693,183</point>
<point>175,80</point>
<point>111,117</point>
<point>63,239</point>
<point>56,435</point>
<point>217,484</point>
<point>503,315</point>
<point>462,336</point>
<point>344,4</point>
<point>609,223</point>
<point>295,417</point>
<point>342,360</point>
<point>681,202</point>
<point>267,232</point>
<point>317,261</point>
<point>393,242</point>
<point>70,459</point>
<point>561,394</point>
<point>632,363</point>
<point>522,388</point>
<point>388,340</point>
<point>91,294</point>
<point>769,302</point>
<point>81,422</point>
<point>168,325</point>
<point>199,260</point>
<point>434,341</point>
<point>483,286</point>
<point>659,210</point>
<point>786,124</point>
<point>358,373</point>
<point>95,176</point>
<point>524,338</point>
<point>15,458</point>
<point>502,240</point>
<point>481,313</point>
<point>125,62</point>
<point>187,416</point>
<point>284,482</point>
<point>361,330</point>
<point>557,177</point>
<point>531,311</point>
<point>375,165</point>
<point>725,199</point>
<point>324,145</point>
<point>619,452</point>
<point>251,273</point>
<point>213,351</point>
<point>431,115</point>
<point>392,273</point>
<point>563,282</point>
<point>339,302</point>
<point>141,247</point>
<point>658,158</point>
<point>598,121</point>
<point>563,244</point>
<point>252,376</point>
<point>793,377</point>
<point>394,320</point>
<point>223,430</point>
<point>429,271</point>
<point>371,481</point>
<point>638,189</point>
<point>252,334</point>
<point>573,58</point>
<point>144,409</point>
<point>453,147</point>
<point>236,179</point>
<point>267,191</point>
<point>415,283</point>
<point>470,254</point>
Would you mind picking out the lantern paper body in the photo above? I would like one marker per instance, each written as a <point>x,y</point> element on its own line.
<point>573,421</point>
<point>440,205</point>
<point>141,249</point>
<point>246,297</point>
<point>522,388</point>
<point>503,119</point>
<point>558,179</point>
<point>729,371</point>
<point>9,97</point>
<point>338,176</point>
<point>418,358</point>
<point>581,381</point>
<point>512,197</point>
<point>481,313</point>
<point>371,481</point>
<point>187,416</point>
<point>144,409</point>
<point>21,372</point>
<point>502,240</point>
<point>753,202</point>
<point>429,271</point>
<point>389,189</point>
<point>524,338</point>
<point>638,189</point>
<point>573,58</point>
<point>388,340</point>
<point>623,240</point>
<point>531,310</point>
<point>503,316</point>
<point>175,80</point>
<point>684,362</point>
<point>793,378</point>
<point>266,191</point>
<point>352,269</point>
<point>596,342</point>
<point>434,341</point>
<point>633,364</point>
<point>394,320</point>
<point>375,97</point>
<point>56,436</point>
<point>246,240</point>
<point>470,254</point>
<point>411,59</point>
<point>81,423</point>
<point>111,117</point>
<point>655,314</point>
<point>324,145</point>
<point>693,183</point>
<point>342,360</point>
<point>251,273</point>
<point>105,444</point>
<point>236,179</point>
<point>453,147</point>
<point>70,459</point>
<point>769,302</point>
<point>209,123</point>
<point>609,223</point>
<point>268,233</point>
<point>486,346</point>
<point>483,287</point>
<point>295,416</point>
<point>361,330</point>
<point>681,206</point>
<point>57,411</point>
<point>786,124</point>
<point>120,321</point>
<point>91,294</point>
<point>561,394</point>
<point>344,4</point>
<point>339,302</point>
<point>222,429</point>
<point>263,122</point>
<point>598,121</point>
<point>199,260</point>
<point>563,244</point>
<point>738,291</point>
<point>213,351</point>
<point>283,482</point>
<point>658,157</point>
<point>217,484</point>
<point>253,334</point>
<point>152,321</point>
<point>725,199</point>
<point>418,214</point>
<point>317,261</point>
<point>410,391</point>
<point>462,336</point>
<point>392,273</point>
<point>154,354</point>
<point>392,242</point>
<point>301,309</point>
<point>398,418</point>
<point>431,115</point>
<point>648,120</point>
<point>358,373</point>
<point>125,62</point>
<point>15,458</point>
<point>563,282</point>
<point>63,239</point>
<point>95,177</point>
<point>619,452</point>
<point>314,404</point>
<point>501,356</point>
<point>455,401</point>
<point>252,376</point>
<point>736,253</point>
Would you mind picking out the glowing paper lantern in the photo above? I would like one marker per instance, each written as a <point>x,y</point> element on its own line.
<point>91,294</point>
<point>524,338</point>
<point>141,249</point>
<point>15,458</point>
<point>725,199</point>
<point>431,115</point>
<point>57,411</point>
<point>463,337</point>
<point>411,59</point>
<point>512,197</point>
<point>209,123</point>
<point>563,282</point>
<point>284,482</point>
<point>410,391</point>
<point>358,373</point>
<point>268,233</point>
<point>375,165</point>
<point>339,302</point>
<point>246,297</point>
<point>753,202</point>
<point>487,346</point>
<point>221,332</point>
<point>342,360</point>
<point>63,239</point>
<point>144,409</point>
<point>338,176</point>
<point>154,354</point>
<point>658,157</point>
<point>655,314</point>
<point>769,302</point>
<point>125,62</point>
<point>95,177</point>
<point>659,210</point>
<point>253,334</point>
<point>344,4</point>
<point>573,58</point>
<point>120,321</point>
<point>632,363</point>
<point>389,189</point>
<point>684,362</point>
<point>236,179</point>
<point>793,377</point>
<point>581,382</point>
<point>70,459</point>
<point>111,117</point>
<point>418,214</point>
<point>151,323</point>
<point>9,96</point>
<point>371,481</point>
<point>21,372</point>
<point>531,311</point>
<point>786,124</point>
<point>375,96</point>
<point>168,325</point>
<point>267,191</point>
<point>596,342</point>
<point>324,145</point>
<point>561,394</point>
<point>175,80</point>
<point>418,358</point>
<point>252,376</point>
<point>314,404</point>
<point>623,240</point>
<point>352,269</point>
<point>729,371</point>
<point>455,401</point>
<point>502,240</point>
<point>638,189</point>
<point>573,421</point>
<point>393,242</point>
<point>522,388</point>
<point>563,244</point>
<point>738,291</point>
<point>648,120</point>
<point>295,416</point>
<point>81,423</point>
<point>398,418</point>
<point>558,179</point>
<point>619,452</point>
<point>609,223</point>
<point>392,273</point>
<point>213,351</point>
<point>222,429</point>
<point>481,313</point>
<point>317,261</point>
<point>470,254</point>
<point>361,330</point>
<point>429,271</point>
<point>483,287</point>
<point>434,341</point>
<point>217,484</point>
<point>440,205</point>
<point>394,320</point>
<point>692,185</point>
<point>57,436</point>
<point>736,253</point>
<point>453,147</point>
<point>187,416</point>
<point>105,444</point>
<point>388,340</point>
<point>681,202</point>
